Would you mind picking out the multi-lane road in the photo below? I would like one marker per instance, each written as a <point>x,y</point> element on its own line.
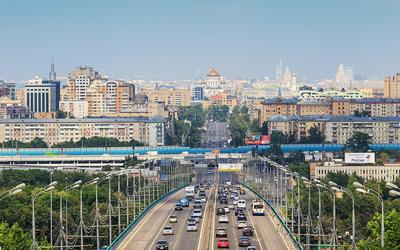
<point>149,230</point>
<point>216,135</point>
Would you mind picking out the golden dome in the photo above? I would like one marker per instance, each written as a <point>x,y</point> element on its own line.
<point>213,73</point>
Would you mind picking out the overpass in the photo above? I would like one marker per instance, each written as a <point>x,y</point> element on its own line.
<point>269,231</point>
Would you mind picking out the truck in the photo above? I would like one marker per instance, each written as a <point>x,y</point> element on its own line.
<point>190,192</point>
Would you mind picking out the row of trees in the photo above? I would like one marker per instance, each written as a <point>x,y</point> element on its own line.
<point>240,124</point>
<point>95,141</point>
<point>218,113</point>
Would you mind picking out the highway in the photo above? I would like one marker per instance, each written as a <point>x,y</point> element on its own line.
<point>149,231</point>
<point>216,135</point>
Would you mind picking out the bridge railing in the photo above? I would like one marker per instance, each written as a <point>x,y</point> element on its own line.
<point>279,221</point>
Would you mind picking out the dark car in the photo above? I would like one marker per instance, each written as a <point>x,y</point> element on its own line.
<point>197,204</point>
<point>220,211</point>
<point>248,231</point>
<point>178,207</point>
<point>239,211</point>
<point>162,245</point>
<point>223,201</point>
<point>241,217</point>
<point>244,242</point>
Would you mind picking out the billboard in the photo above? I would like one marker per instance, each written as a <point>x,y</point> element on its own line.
<point>359,158</point>
<point>230,167</point>
<point>258,140</point>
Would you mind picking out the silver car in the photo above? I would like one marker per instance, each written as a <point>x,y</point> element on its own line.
<point>168,230</point>
<point>191,227</point>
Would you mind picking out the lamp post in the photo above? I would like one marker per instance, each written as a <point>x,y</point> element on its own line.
<point>97,210</point>
<point>49,187</point>
<point>81,224</point>
<point>61,235</point>
<point>15,190</point>
<point>364,190</point>
<point>338,188</point>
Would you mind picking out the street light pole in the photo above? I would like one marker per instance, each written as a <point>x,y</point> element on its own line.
<point>81,224</point>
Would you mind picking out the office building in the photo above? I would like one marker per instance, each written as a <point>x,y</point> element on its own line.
<point>42,96</point>
<point>149,131</point>
<point>197,93</point>
<point>392,86</point>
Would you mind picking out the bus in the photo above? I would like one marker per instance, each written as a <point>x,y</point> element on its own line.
<point>257,207</point>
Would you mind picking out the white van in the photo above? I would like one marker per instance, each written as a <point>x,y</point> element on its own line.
<point>241,204</point>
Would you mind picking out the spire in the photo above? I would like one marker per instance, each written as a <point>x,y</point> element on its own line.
<point>279,93</point>
<point>52,74</point>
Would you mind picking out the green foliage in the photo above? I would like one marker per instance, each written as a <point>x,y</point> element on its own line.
<point>218,113</point>
<point>13,238</point>
<point>301,168</point>
<point>35,143</point>
<point>359,142</point>
<point>363,113</point>
<point>97,141</point>
<point>239,123</point>
<point>61,114</point>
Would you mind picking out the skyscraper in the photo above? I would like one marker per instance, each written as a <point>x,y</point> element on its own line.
<point>41,95</point>
<point>340,75</point>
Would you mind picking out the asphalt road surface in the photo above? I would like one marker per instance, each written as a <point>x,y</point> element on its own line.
<point>216,135</point>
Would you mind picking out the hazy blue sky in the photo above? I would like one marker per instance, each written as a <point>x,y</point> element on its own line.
<point>168,39</point>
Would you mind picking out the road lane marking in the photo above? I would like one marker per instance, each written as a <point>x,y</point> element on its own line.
<point>143,221</point>
<point>214,212</point>
<point>180,231</point>
<point>254,225</point>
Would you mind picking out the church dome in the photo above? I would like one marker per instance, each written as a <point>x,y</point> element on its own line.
<point>213,73</point>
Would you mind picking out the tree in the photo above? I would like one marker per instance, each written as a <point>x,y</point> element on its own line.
<point>61,114</point>
<point>359,142</point>
<point>264,128</point>
<point>13,238</point>
<point>363,113</point>
<point>278,137</point>
<point>315,135</point>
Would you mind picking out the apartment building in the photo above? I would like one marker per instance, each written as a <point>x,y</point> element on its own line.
<point>277,107</point>
<point>392,86</point>
<point>387,172</point>
<point>78,82</point>
<point>75,108</point>
<point>224,99</point>
<point>170,96</point>
<point>338,129</point>
<point>314,108</point>
<point>149,131</point>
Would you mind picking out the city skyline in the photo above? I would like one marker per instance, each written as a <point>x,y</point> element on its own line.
<point>176,40</point>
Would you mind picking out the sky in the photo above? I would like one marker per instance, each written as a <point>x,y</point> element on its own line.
<point>177,40</point>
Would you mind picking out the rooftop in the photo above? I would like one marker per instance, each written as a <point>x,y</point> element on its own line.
<point>332,118</point>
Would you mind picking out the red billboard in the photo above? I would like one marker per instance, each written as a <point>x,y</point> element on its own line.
<point>257,140</point>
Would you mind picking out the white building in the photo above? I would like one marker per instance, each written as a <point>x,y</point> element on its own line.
<point>75,108</point>
<point>314,95</point>
<point>214,84</point>
<point>42,95</point>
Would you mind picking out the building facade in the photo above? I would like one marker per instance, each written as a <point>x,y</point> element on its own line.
<point>170,96</point>
<point>79,81</point>
<point>42,96</point>
<point>149,131</point>
<point>392,86</point>
<point>338,129</point>
<point>75,108</point>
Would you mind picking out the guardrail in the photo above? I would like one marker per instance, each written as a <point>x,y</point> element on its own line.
<point>282,222</point>
<point>132,225</point>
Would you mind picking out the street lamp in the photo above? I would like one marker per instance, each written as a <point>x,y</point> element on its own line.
<point>391,185</point>
<point>338,188</point>
<point>323,186</point>
<point>49,187</point>
<point>394,193</point>
<point>364,190</point>
<point>15,190</point>
<point>92,182</point>
<point>97,209</point>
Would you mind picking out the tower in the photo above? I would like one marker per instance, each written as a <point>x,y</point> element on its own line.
<point>52,74</point>
<point>278,72</point>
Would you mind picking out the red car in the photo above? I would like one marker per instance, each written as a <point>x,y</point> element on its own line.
<point>223,243</point>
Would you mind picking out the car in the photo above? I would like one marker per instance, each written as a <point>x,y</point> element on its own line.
<point>191,220</point>
<point>168,230</point>
<point>241,204</point>
<point>223,201</point>
<point>239,211</point>
<point>221,232</point>
<point>194,218</point>
<point>223,243</point>
<point>242,217</point>
<point>248,231</point>
<point>203,199</point>
<point>220,211</point>
<point>184,202</point>
<point>178,207</point>
<point>235,202</point>
<point>230,206</point>
<point>162,245</point>
<point>197,204</point>
<point>244,241</point>
<point>241,224</point>
<point>173,218</point>
<point>226,209</point>
<point>223,219</point>
<point>191,227</point>
<point>251,248</point>
<point>197,212</point>
<point>242,192</point>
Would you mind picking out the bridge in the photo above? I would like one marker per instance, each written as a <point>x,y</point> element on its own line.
<point>147,196</point>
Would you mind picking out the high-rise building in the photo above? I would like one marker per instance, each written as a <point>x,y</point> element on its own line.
<point>197,93</point>
<point>42,96</point>
<point>278,72</point>
<point>7,89</point>
<point>344,77</point>
<point>392,86</point>
<point>340,75</point>
<point>287,77</point>
<point>79,81</point>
